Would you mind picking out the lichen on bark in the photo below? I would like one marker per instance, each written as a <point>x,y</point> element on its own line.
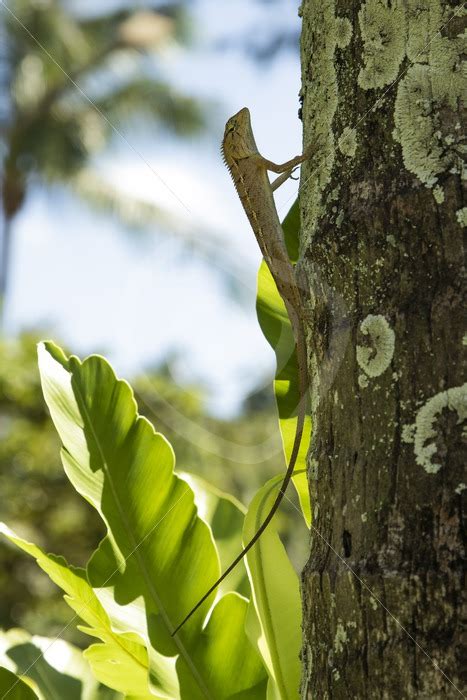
<point>375,357</point>
<point>435,82</point>
<point>348,142</point>
<point>433,78</point>
<point>320,85</point>
<point>461,216</point>
<point>382,31</point>
<point>426,434</point>
<point>382,209</point>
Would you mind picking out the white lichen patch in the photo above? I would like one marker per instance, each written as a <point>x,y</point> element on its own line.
<point>461,216</point>
<point>348,142</point>
<point>448,73</point>
<point>376,357</point>
<point>408,433</point>
<point>461,487</point>
<point>335,193</point>
<point>425,437</point>
<point>415,129</point>
<point>383,35</point>
<point>436,80</point>
<point>321,101</point>
<point>363,381</point>
<point>340,639</point>
<point>438,194</point>
<point>373,603</point>
<point>391,239</point>
<point>313,470</point>
<point>364,517</point>
<point>343,32</point>
<point>464,340</point>
<point>315,385</point>
<point>423,18</point>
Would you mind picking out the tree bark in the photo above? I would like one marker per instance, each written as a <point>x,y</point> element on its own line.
<point>5,245</point>
<point>13,192</point>
<point>382,215</point>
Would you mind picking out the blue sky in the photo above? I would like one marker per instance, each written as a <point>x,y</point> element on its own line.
<point>95,288</point>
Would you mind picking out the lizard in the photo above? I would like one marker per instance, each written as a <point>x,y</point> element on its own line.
<point>249,171</point>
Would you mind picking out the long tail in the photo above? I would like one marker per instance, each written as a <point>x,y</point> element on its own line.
<point>302,406</point>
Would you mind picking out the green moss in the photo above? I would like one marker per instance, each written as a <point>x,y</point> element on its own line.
<point>383,34</point>
<point>348,142</point>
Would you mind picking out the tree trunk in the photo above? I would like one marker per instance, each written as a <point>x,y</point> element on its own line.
<point>382,217</point>
<point>5,246</point>
<point>13,194</point>
<point>5,121</point>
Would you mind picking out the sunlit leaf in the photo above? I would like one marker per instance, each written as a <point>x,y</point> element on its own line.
<point>83,600</point>
<point>274,618</point>
<point>55,668</point>
<point>225,515</point>
<point>157,548</point>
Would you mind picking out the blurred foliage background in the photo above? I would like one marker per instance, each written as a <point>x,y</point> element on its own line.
<point>50,133</point>
<point>52,129</point>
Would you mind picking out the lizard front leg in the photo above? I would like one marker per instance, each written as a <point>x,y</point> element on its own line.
<point>289,165</point>
<point>286,169</point>
<point>281,179</point>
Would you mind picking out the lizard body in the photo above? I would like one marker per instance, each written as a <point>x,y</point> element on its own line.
<point>249,173</point>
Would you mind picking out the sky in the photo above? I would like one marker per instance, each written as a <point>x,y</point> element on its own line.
<point>95,288</point>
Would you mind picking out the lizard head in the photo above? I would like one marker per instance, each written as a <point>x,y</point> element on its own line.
<point>238,141</point>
